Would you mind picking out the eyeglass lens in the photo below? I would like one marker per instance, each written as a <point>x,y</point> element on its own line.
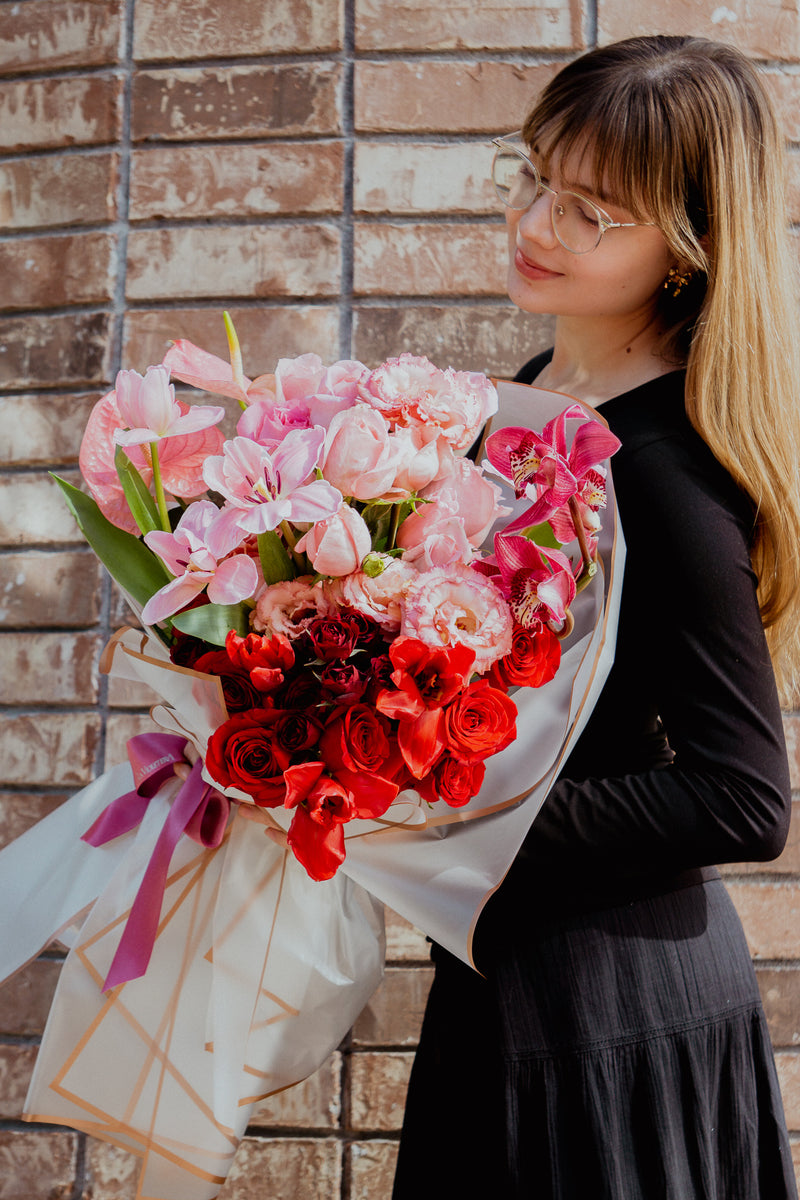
<point>575,220</point>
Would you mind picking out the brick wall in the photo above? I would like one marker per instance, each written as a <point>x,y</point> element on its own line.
<point>320,168</point>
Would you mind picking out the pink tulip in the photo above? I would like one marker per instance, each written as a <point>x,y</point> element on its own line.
<point>338,544</point>
<point>147,406</point>
<point>262,488</point>
<point>360,458</point>
<point>195,568</point>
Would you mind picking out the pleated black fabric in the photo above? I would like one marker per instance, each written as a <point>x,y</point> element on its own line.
<point>617,1048</point>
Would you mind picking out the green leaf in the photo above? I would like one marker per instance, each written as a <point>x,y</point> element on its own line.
<point>136,569</point>
<point>213,622</point>
<point>378,519</point>
<point>542,535</point>
<point>140,502</point>
<point>276,563</point>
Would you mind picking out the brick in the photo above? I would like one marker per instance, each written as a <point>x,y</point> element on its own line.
<point>266,334</point>
<point>16,1068</point>
<point>372,1166</point>
<point>780,993</point>
<point>277,260</point>
<point>788,1064</point>
<point>268,180</point>
<point>71,350</point>
<point>438,259</point>
<point>49,588</point>
<point>112,1172</point>
<point>378,1090</point>
<point>63,189</point>
<point>393,1016</point>
<point>794,1144</point>
<point>39,430</point>
<point>47,34</point>
<point>26,997</point>
<point>205,30</point>
<point>49,1158</point>
<point>236,102</point>
<point>120,727</point>
<point>55,270</point>
<point>791,729</point>
<point>404,943</point>
<point>49,748</point>
<point>453,97</point>
<point>428,25</point>
<point>417,178</point>
<point>36,114</point>
<point>787,864</point>
<point>284,1169</point>
<point>784,89</point>
<point>770,914</point>
<point>33,512</point>
<point>50,668</point>
<point>315,1103</point>
<point>766,30</point>
<point>496,339</point>
<point>20,811</point>
<point>121,614</point>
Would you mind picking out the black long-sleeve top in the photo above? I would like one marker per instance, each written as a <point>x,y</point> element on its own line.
<point>683,763</point>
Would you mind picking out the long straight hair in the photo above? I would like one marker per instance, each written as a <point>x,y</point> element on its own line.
<point>683,129</point>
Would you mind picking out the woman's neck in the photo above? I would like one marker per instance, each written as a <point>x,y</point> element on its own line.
<point>594,362</point>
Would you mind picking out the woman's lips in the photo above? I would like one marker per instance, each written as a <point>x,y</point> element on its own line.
<point>532,270</point>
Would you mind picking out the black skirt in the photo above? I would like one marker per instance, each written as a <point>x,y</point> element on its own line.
<point>621,1055</point>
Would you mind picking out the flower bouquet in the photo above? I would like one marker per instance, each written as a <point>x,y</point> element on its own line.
<point>358,648</point>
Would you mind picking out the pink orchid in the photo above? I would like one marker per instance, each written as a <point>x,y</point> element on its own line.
<point>195,568</point>
<point>197,367</point>
<point>181,458</point>
<point>537,582</point>
<point>147,406</point>
<point>264,488</point>
<point>540,466</point>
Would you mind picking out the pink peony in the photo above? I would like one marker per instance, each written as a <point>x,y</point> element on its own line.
<point>338,544</point>
<point>399,385</point>
<point>457,606</point>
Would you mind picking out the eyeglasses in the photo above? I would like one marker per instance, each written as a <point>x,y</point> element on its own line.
<point>577,222</point>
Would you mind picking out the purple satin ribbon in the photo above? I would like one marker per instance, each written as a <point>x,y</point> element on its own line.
<point>197,810</point>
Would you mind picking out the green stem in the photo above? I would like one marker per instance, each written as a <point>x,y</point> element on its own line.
<point>161,499</point>
<point>393,526</point>
<point>300,560</point>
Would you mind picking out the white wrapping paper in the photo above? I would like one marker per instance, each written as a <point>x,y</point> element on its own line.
<point>257,971</point>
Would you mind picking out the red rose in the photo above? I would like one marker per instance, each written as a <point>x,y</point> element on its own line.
<point>479,722</point>
<point>334,637</point>
<point>296,731</point>
<point>533,659</point>
<point>457,781</point>
<point>237,688</point>
<point>342,682</point>
<point>357,740</point>
<point>244,753</point>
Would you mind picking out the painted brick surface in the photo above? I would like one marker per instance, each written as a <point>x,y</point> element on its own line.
<point>41,34</point>
<point>65,350</point>
<point>43,587</point>
<point>419,178</point>
<point>62,189</point>
<point>20,810</point>
<point>49,1158</point>
<point>426,25</point>
<point>56,668</point>
<point>436,259</point>
<point>372,1166</point>
<point>190,30</point>
<point>57,270</point>
<point>766,30</point>
<point>39,429</point>
<point>37,114</point>
<point>48,748</point>
<point>241,102</point>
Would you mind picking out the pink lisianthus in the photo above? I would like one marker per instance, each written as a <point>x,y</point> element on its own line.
<point>286,608</point>
<point>187,557</point>
<point>149,411</point>
<point>377,596</point>
<point>181,458</point>
<point>197,367</point>
<point>337,544</point>
<point>263,489</point>
<point>457,606</point>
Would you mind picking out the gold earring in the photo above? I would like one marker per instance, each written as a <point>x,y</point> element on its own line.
<point>676,280</point>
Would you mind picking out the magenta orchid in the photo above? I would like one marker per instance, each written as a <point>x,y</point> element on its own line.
<point>541,467</point>
<point>264,489</point>
<point>188,558</point>
<point>148,408</point>
<point>537,582</point>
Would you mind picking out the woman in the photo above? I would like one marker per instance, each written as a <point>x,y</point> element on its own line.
<point>616,1048</point>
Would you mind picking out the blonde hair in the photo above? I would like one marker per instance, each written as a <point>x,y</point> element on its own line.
<point>683,128</point>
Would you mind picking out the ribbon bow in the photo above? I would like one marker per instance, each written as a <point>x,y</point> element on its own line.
<point>197,810</point>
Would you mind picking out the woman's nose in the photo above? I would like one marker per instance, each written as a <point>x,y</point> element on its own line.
<point>535,223</point>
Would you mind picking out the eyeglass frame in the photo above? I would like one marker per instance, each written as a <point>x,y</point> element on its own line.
<point>604,220</point>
